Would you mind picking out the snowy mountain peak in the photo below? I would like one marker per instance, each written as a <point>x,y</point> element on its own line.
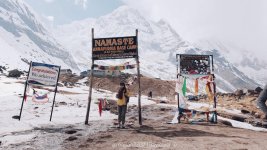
<point>124,11</point>
<point>244,60</point>
<point>21,9</point>
<point>158,45</point>
<point>27,39</point>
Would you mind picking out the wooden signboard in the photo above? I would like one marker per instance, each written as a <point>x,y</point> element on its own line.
<point>115,48</point>
<point>43,75</point>
<point>194,64</point>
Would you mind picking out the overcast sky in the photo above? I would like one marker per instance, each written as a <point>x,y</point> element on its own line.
<point>66,11</point>
<point>242,22</point>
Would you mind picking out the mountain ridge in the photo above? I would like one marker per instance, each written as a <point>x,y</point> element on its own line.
<point>158,45</point>
<point>28,38</point>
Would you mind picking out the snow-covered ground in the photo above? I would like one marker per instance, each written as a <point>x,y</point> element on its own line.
<point>38,115</point>
<point>196,106</point>
<point>72,112</point>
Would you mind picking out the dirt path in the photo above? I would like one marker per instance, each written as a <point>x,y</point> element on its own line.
<point>156,134</point>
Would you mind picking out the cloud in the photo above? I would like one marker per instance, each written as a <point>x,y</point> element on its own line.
<point>49,1</point>
<point>50,18</point>
<point>242,22</point>
<point>83,3</point>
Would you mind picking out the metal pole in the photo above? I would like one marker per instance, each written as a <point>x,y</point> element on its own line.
<point>91,84</point>
<point>139,84</point>
<point>55,93</point>
<point>25,88</point>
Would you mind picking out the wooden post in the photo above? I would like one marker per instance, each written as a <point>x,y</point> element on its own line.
<point>178,76</point>
<point>25,88</point>
<point>139,84</point>
<point>215,102</point>
<point>212,65</point>
<point>214,89</point>
<point>55,93</point>
<point>91,84</point>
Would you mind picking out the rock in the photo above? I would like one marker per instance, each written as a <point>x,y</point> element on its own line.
<point>15,117</point>
<point>70,131</point>
<point>253,112</point>
<point>250,92</point>
<point>258,90</point>
<point>229,94</point>
<point>60,84</point>
<point>105,136</point>
<point>2,68</point>
<point>245,111</point>
<point>89,140</point>
<point>71,138</point>
<point>163,102</point>
<point>257,115</point>
<point>228,123</point>
<point>239,93</point>
<point>83,146</point>
<point>236,117</point>
<point>62,103</point>
<point>15,73</point>
<point>254,122</point>
<point>162,109</point>
<point>257,124</point>
<point>220,94</point>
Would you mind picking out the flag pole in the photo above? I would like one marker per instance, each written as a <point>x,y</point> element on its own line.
<point>55,94</point>
<point>91,84</point>
<point>214,89</point>
<point>25,88</point>
<point>178,95</point>
<point>139,84</point>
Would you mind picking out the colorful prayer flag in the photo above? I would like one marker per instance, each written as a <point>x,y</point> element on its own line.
<point>100,106</point>
<point>196,86</point>
<point>184,87</point>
